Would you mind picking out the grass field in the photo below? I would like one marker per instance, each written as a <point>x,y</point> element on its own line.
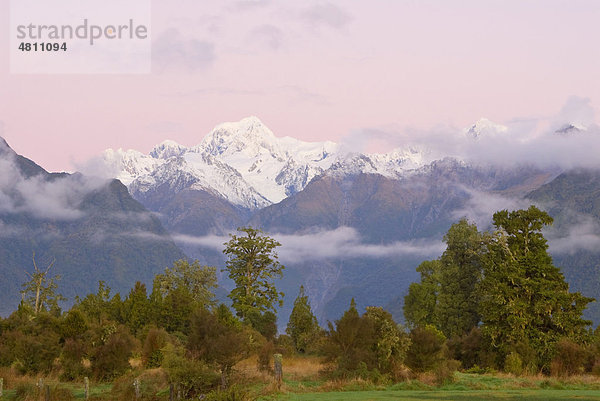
<point>303,382</point>
<point>408,395</point>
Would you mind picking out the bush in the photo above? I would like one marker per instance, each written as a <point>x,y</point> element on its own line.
<point>444,371</point>
<point>71,360</point>
<point>569,358</point>
<point>151,382</point>
<point>265,357</point>
<point>111,358</point>
<point>192,376</point>
<point>513,364</point>
<point>426,349</point>
<point>152,355</point>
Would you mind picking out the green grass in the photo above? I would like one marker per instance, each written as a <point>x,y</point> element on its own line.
<point>465,387</point>
<point>526,394</point>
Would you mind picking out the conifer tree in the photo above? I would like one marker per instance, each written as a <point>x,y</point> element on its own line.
<point>302,327</point>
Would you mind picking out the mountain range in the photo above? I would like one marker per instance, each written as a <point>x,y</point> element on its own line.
<point>90,229</point>
<point>351,224</point>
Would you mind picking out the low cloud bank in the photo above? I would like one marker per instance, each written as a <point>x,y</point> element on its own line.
<point>343,242</point>
<point>58,198</point>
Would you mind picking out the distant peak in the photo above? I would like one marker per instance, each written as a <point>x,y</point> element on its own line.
<point>167,149</point>
<point>571,128</point>
<point>483,126</point>
<point>246,125</point>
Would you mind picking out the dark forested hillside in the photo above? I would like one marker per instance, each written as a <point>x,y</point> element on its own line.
<point>93,229</point>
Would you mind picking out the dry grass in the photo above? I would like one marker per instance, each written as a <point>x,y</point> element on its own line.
<point>12,378</point>
<point>294,368</point>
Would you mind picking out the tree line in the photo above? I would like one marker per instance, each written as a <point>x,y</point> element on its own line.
<point>492,301</point>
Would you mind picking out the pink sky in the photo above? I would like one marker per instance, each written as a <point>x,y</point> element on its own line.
<point>313,70</point>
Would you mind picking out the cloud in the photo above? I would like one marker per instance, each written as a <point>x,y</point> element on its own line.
<point>525,141</point>
<point>577,111</point>
<point>583,233</point>
<point>481,207</point>
<point>58,198</point>
<point>326,15</point>
<point>173,52</point>
<point>343,242</point>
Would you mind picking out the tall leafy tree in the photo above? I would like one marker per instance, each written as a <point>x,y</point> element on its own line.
<point>420,302</point>
<point>446,296</point>
<point>193,278</point>
<point>525,300</point>
<point>302,327</point>
<point>457,301</point>
<point>253,264</point>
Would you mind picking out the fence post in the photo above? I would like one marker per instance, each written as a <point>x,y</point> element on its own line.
<point>40,388</point>
<point>171,392</point>
<point>47,392</point>
<point>1,387</point>
<point>136,386</point>
<point>278,359</point>
<point>86,388</point>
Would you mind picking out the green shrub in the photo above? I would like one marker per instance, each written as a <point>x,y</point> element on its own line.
<point>192,376</point>
<point>426,349</point>
<point>513,364</point>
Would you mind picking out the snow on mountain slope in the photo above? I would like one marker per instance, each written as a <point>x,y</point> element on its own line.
<point>245,163</point>
<point>276,167</point>
<point>484,127</point>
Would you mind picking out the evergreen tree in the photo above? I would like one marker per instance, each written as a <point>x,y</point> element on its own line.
<point>302,327</point>
<point>525,301</point>
<point>136,308</point>
<point>252,264</point>
<point>460,272</point>
<point>420,302</point>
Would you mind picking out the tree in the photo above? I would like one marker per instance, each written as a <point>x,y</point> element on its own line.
<point>420,302</point>
<point>96,307</point>
<point>136,308</point>
<point>196,279</point>
<point>302,327</point>
<point>446,297</point>
<point>364,345</point>
<point>349,343</point>
<point>217,339</point>
<point>457,301</point>
<point>252,264</point>
<point>40,291</point>
<point>391,342</point>
<point>525,300</point>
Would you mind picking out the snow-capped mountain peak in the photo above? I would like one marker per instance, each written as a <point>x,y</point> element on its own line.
<point>245,163</point>
<point>248,135</point>
<point>167,149</point>
<point>484,127</point>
